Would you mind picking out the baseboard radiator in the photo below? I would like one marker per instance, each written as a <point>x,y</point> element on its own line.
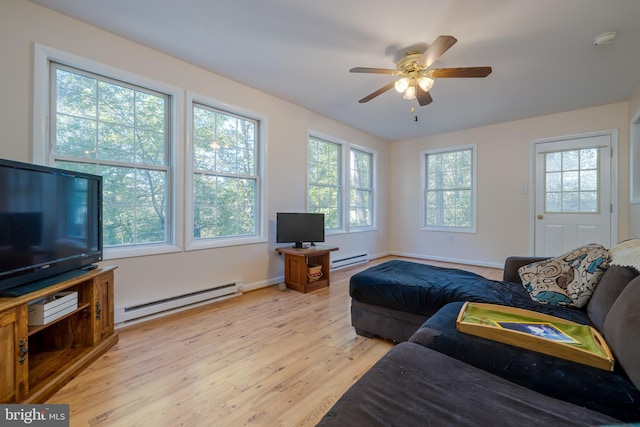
<point>349,261</point>
<point>177,303</point>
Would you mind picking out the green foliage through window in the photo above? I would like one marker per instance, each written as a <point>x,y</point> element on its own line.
<point>225,181</point>
<point>449,189</point>
<point>121,132</point>
<point>571,181</point>
<point>361,189</point>
<point>324,187</point>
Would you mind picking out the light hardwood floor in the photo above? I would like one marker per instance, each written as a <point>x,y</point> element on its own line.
<point>267,358</point>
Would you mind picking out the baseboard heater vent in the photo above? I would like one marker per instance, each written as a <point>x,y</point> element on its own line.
<point>349,261</point>
<point>179,302</point>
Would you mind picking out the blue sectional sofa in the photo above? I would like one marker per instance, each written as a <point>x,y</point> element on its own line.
<point>423,378</point>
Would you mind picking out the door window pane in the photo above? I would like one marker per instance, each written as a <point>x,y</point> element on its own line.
<point>571,181</point>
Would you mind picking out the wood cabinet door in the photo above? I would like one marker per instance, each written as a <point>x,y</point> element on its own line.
<point>296,270</point>
<point>14,363</point>
<point>103,306</point>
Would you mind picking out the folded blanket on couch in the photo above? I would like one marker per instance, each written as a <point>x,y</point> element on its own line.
<point>423,289</point>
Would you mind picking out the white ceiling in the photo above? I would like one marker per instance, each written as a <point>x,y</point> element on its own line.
<point>542,52</point>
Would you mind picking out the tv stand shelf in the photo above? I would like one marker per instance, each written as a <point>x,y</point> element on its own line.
<point>296,262</point>
<point>41,359</point>
<point>38,328</point>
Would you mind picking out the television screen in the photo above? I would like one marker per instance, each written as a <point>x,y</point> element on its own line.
<point>50,222</point>
<point>299,228</point>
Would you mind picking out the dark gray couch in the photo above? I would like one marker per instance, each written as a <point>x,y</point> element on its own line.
<point>416,386</point>
<point>542,390</point>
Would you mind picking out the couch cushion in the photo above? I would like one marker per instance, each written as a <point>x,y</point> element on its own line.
<point>567,280</point>
<point>414,386</point>
<point>374,320</point>
<point>513,263</point>
<point>612,283</point>
<point>621,329</point>
<point>607,392</point>
<point>422,289</point>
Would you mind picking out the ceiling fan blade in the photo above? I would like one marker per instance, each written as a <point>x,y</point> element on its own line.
<point>372,70</point>
<point>423,96</point>
<point>376,93</point>
<point>440,73</point>
<point>437,48</point>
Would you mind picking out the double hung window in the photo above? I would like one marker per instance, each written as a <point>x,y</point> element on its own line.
<point>121,131</point>
<point>361,189</point>
<point>328,175</point>
<point>225,174</point>
<point>129,130</point>
<point>324,193</point>
<point>449,178</point>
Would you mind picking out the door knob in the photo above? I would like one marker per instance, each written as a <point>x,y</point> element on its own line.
<point>540,216</point>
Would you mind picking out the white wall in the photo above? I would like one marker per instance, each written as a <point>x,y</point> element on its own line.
<point>141,279</point>
<point>503,163</point>
<point>503,169</point>
<point>634,119</point>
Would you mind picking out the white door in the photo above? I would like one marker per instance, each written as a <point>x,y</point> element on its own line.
<point>573,204</point>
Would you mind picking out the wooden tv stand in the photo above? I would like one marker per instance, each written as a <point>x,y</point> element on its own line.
<point>37,361</point>
<point>295,266</point>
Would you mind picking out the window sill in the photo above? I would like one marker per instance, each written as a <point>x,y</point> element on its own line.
<point>451,230</point>
<point>137,251</point>
<point>196,245</point>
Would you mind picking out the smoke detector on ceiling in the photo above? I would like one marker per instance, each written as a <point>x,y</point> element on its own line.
<point>604,38</point>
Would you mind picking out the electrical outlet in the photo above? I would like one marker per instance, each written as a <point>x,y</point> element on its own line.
<point>451,238</point>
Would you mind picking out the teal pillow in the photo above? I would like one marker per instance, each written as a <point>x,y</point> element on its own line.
<point>568,280</point>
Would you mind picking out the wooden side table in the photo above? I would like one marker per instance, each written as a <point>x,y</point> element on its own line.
<point>295,266</point>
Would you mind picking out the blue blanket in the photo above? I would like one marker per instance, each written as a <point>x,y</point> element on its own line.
<point>423,289</point>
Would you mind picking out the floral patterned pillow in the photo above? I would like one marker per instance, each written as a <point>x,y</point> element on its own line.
<point>568,280</point>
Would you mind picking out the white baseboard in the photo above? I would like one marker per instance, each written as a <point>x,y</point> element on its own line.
<point>447,259</point>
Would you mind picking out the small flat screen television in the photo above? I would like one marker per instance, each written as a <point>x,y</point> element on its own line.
<point>50,223</point>
<point>299,228</point>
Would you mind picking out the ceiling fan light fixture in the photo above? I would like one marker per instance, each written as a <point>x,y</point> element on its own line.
<point>402,85</point>
<point>410,93</point>
<point>425,83</point>
<point>413,73</point>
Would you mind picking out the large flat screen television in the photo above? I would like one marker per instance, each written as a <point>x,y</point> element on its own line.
<point>50,223</point>
<point>299,227</point>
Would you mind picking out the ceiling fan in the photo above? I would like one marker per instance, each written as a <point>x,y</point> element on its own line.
<point>416,78</point>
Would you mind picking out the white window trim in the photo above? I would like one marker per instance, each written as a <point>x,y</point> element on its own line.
<point>42,56</point>
<point>374,189</point>
<point>474,189</point>
<point>345,159</point>
<point>342,144</point>
<point>198,244</point>
<point>634,160</point>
